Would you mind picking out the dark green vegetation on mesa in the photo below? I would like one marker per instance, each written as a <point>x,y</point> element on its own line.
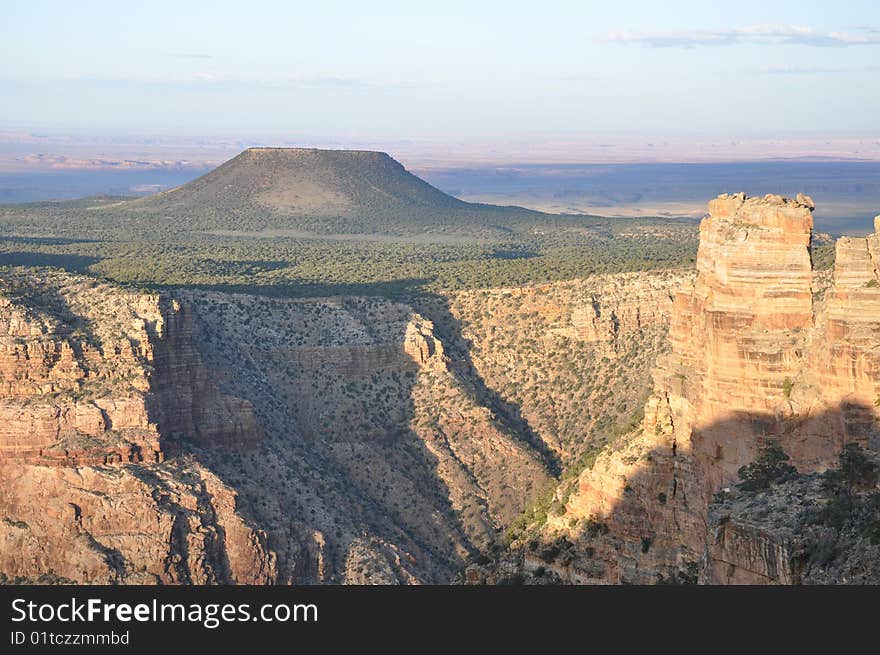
<point>325,222</point>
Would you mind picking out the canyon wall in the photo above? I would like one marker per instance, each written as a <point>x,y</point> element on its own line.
<point>761,347</point>
<point>173,523</point>
<point>183,396</point>
<point>91,373</point>
<point>368,440</point>
<point>379,455</point>
<point>97,386</point>
<point>573,359</point>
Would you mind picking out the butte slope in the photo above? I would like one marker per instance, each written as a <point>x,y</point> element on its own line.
<point>314,191</point>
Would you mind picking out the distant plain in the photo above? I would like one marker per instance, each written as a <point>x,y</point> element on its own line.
<point>847,193</point>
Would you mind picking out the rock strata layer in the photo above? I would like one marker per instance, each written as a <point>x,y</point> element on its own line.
<point>98,385</point>
<point>94,374</point>
<point>760,348</point>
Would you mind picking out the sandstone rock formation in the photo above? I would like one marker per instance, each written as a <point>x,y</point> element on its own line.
<point>91,373</point>
<point>756,352</point>
<point>95,379</point>
<point>168,524</point>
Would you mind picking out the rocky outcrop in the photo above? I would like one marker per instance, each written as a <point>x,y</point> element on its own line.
<point>93,374</point>
<point>756,352</point>
<point>746,554</point>
<point>167,524</point>
<point>797,530</point>
<point>609,313</point>
<point>844,360</point>
<point>97,385</point>
<point>744,317</point>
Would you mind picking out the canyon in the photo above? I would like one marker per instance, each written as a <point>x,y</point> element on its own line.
<point>204,437</point>
<point>588,431</point>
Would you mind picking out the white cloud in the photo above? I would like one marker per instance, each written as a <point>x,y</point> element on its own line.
<point>753,34</point>
<point>799,70</point>
<point>189,55</point>
<point>812,70</point>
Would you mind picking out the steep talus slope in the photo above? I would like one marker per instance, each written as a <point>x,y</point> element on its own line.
<point>573,358</point>
<point>406,433</point>
<point>760,349</point>
<point>358,393</point>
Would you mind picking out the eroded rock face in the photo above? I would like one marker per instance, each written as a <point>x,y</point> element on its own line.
<point>844,361</point>
<point>373,440</point>
<point>141,524</point>
<point>97,385</point>
<point>745,554</point>
<point>782,535</point>
<point>573,358</point>
<point>184,398</point>
<point>382,453</point>
<point>92,374</point>
<point>743,319</point>
<point>756,352</point>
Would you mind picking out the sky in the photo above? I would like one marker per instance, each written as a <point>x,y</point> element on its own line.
<point>466,70</point>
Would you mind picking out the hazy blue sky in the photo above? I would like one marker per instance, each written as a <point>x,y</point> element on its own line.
<point>471,69</point>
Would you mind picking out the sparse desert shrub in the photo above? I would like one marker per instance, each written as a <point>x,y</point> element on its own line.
<point>787,387</point>
<point>854,472</point>
<point>771,465</point>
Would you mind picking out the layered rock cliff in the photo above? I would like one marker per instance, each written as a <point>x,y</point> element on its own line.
<point>131,450</point>
<point>173,523</point>
<point>97,386</point>
<point>91,373</point>
<point>760,349</point>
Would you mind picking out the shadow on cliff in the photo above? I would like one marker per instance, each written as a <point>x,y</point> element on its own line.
<point>449,328</point>
<point>657,530</point>
<point>326,481</point>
